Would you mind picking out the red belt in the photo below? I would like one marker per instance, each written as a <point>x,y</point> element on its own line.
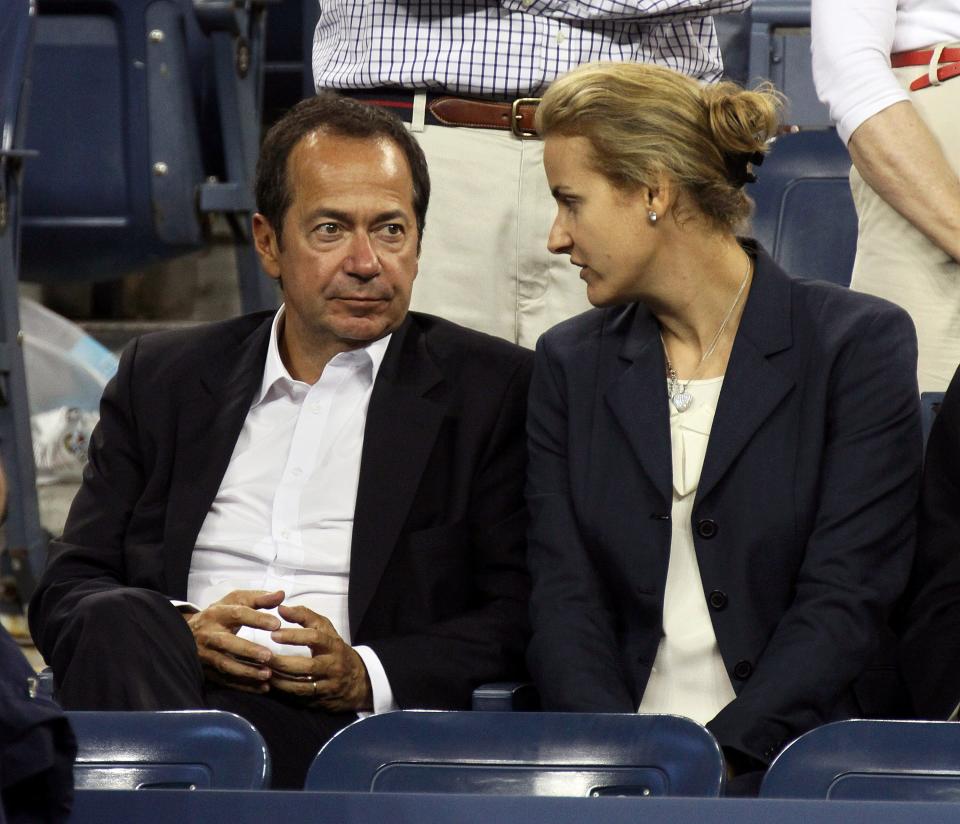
<point>949,64</point>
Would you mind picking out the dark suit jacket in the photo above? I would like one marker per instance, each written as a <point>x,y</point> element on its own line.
<point>930,649</point>
<point>438,586</point>
<point>803,519</point>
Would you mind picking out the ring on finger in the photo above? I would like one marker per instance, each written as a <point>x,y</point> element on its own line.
<point>315,685</point>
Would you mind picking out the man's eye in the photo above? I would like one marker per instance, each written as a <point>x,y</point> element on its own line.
<point>327,228</point>
<point>393,229</point>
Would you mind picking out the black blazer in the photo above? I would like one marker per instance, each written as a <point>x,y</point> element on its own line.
<point>438,585</point>
<point>803,519</point>
<point>930,649</point>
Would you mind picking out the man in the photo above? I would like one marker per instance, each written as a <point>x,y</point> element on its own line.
<point>930,643</point>
<point>889,69</point>
<point>309,515</point>
<point>464,65</point>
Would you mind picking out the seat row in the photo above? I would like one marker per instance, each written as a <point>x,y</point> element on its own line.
<point>517,754</point>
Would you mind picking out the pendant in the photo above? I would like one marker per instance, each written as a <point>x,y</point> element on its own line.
<point>682,401</point>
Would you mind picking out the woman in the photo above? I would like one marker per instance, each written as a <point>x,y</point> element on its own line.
<point>723,460</point>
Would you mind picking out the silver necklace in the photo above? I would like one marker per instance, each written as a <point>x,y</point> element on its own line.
<point>676,391</point>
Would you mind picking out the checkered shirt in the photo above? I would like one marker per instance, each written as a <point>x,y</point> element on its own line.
<point>507,49</point>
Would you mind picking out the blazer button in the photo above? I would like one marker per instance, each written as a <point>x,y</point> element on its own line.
<point>706,528</point>
<point>742,670</point>
<point>718,599</point>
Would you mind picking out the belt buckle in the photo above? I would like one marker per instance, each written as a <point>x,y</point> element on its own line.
<point>516,118</point>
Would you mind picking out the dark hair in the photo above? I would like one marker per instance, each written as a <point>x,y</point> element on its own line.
<point>329,112</point>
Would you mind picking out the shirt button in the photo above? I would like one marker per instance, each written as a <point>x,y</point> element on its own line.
<point>296,472</point>
<point>561,37</point>
<point>718,600</point>
<point>285,534</point>
<point>706,528</point>
<point>527,3</point>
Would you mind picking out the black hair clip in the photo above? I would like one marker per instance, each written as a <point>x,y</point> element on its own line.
<point>739,168</point>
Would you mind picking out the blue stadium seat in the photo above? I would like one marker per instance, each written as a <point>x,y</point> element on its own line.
<point>804,214</point>
<point>25,539</point>
<point>870,760</point>
<point>780,53</point>
<point>929,407</point>
<point>189,749</point>
<point>145,114</point>
<point>549,754</point>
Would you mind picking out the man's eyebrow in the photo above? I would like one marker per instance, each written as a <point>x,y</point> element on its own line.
<point>558,191</point>
<point>344,217</point>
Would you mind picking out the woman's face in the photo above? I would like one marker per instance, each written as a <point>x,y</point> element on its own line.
<point>604,230</point>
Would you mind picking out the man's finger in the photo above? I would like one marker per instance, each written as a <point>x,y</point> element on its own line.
<point>300,666</point>
<point>316,639</point>
<point>305,617</point>
<point>234,615</point>
<point>255,598</point>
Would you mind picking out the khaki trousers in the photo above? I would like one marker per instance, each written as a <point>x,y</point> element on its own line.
<point>485,262</point>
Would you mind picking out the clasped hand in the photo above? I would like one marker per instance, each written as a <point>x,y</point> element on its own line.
<point>333,677</point>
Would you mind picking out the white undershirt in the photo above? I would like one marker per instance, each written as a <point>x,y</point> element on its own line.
<point>283,516</point>
<point>852,44</point>
<point>688,676</point>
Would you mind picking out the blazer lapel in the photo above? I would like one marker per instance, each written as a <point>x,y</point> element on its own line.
<point>637,396</point>
<point>752,386</point>
<point>208,426</point>
<point>401,429</point>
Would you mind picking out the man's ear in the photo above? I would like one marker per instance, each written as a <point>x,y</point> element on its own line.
<point>267,246</point>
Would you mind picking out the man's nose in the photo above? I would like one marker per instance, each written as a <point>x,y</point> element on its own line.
<point>363,261</point>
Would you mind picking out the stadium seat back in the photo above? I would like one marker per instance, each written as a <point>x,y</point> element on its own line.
<point>870,760</point>
<point>190,749</point>
<point>804,215</point>
<point>549,754</point>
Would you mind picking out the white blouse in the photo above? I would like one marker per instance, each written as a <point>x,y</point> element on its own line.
<point>688,676</point>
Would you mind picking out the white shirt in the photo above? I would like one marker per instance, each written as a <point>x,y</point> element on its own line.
<point>688,676</point>
<point>852,44</point>
<point>509,49</point>
<point>283,516</point>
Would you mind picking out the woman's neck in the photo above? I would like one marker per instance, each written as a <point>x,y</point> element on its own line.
<point>699,298</point>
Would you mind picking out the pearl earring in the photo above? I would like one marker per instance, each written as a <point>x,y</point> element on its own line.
<point>652,216</point>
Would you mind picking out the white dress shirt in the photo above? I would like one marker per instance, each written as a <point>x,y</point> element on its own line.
<point>688,676</point>
<point>283,516</point>
<point>852,44</point>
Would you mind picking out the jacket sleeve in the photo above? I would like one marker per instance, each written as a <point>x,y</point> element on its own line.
<point>859,546</point>
<point>573,655</point>
<point>930,646</point>
<point>88,558</point>
<point>438,665</point>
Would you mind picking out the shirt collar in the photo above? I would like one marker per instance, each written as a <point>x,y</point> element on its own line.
<point>274,369</point>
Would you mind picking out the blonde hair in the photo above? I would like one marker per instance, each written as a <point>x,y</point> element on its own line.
<point>643,121</point>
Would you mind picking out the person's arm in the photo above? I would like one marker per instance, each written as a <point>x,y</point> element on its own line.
<point>648,10</point>
<point>860,540</point>
<point>438,664</point>
<point>902,162</point>
<point>930,643</point>
<point>574,654</point>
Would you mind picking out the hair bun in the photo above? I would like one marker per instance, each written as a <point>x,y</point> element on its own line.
<point>742,120</point>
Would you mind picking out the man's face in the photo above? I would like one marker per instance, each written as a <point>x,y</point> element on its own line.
<point>349,247</point>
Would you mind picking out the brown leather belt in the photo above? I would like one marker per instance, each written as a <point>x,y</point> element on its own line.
<point>948,62</point>
<point>444,110</point>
